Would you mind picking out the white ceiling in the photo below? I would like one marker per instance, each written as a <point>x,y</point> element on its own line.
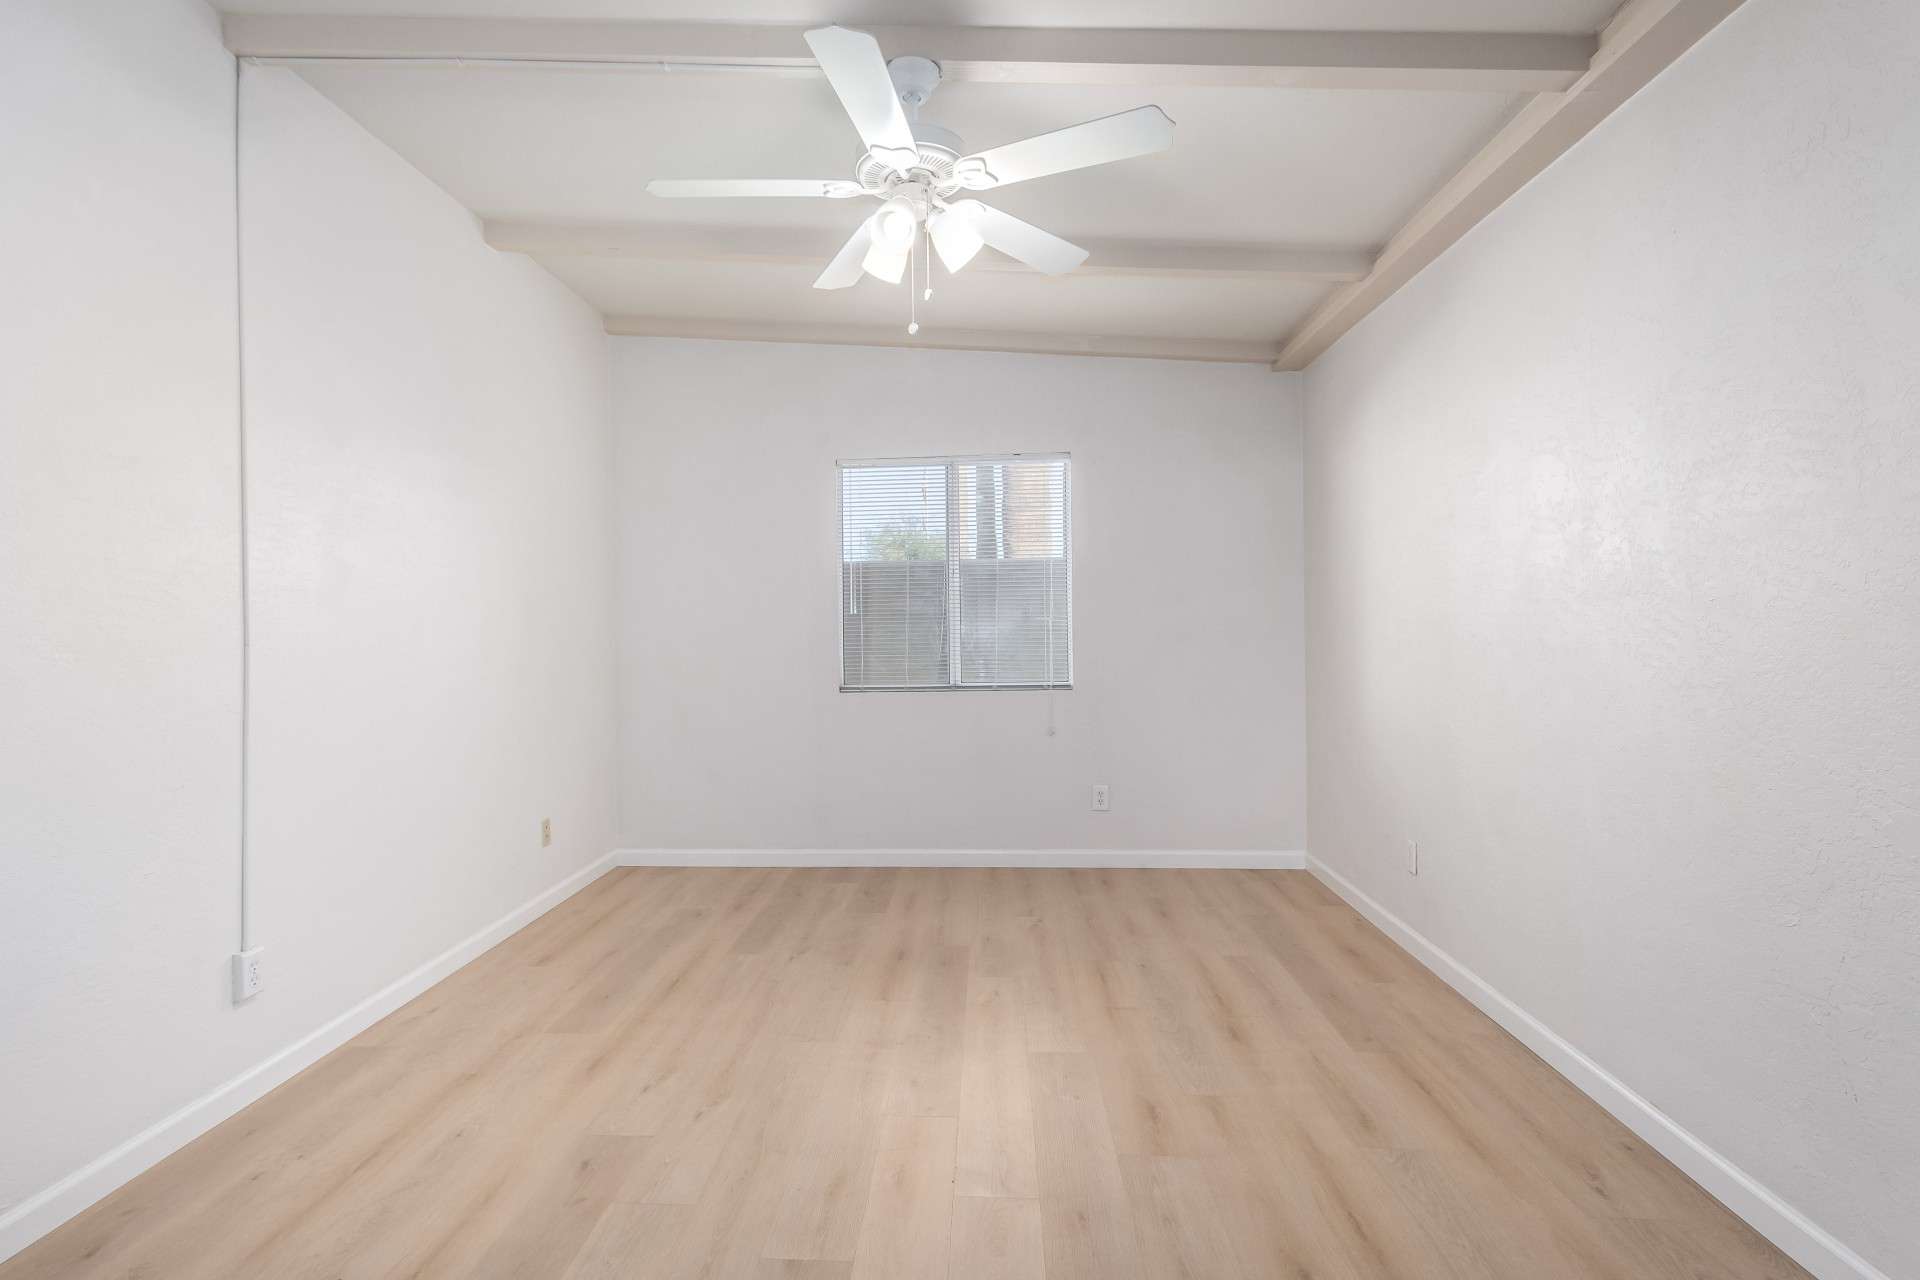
<point>1264,167</point>
<point>1291,166</point>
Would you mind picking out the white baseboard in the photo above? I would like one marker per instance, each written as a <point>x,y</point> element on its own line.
<point>1249,859</point>
<point>1797,1236</point>
<point>35,1216</point>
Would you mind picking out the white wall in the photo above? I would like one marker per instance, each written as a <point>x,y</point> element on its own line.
<point>1614,601</point>
<point>1186,491</point>
<point>430,560</point>
<point>119,573</point>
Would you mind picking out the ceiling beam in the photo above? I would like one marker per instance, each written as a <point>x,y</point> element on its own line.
<point>773,247</point>
<point>1479,62</point>
<point>1643,39</point>
<point>937,338</point>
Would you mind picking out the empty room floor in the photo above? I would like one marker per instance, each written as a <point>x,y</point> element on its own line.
<point>923,1073</point>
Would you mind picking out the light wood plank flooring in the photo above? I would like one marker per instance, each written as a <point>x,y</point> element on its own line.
<point>816,1075</point>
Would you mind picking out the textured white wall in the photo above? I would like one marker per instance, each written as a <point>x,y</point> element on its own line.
<point>119,572</point>
<point>429,557</point>
<point>429,459</point>
<point>1187,599</point>
<point>1614,604</point>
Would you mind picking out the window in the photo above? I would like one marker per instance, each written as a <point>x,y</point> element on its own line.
<point>956,573</point>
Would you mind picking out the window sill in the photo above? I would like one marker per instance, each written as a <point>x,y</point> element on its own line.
<point>956,688</point>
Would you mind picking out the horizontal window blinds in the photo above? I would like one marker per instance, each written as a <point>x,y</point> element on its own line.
<point>956,573</point>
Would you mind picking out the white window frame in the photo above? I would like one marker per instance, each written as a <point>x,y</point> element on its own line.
<point>947,460</point>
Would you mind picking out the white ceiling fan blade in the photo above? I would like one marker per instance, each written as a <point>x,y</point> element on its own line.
<point>886,261</point>
<point>858,74</point>
<point>831,188</point>
<point>846,266</point>
<point>1139,132</point>
<point>955,238</point>
<point>1022,241</point>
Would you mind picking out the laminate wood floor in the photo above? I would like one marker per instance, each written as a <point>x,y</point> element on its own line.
<point>891,1074</point>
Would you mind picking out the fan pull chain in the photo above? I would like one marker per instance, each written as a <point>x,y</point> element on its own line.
<point>913,301</point>
<point>927,274</point>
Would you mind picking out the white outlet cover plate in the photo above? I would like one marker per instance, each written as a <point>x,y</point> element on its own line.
<point>247,977</point>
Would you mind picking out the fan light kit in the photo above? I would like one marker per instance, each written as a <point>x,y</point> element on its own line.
<point>917,170</point>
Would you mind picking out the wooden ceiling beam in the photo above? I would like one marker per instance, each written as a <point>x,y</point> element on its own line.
<point>937,337</point>
<point>1499,62</point>
<point>782,247</point>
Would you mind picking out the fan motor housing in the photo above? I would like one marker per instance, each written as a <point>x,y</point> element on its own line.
<point>939,150</point>
<point>914,80</point>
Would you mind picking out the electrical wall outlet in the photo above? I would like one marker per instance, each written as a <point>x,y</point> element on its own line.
<point>1102,798</point>
<point>246,974</point>
<point>1413,858</point>
<point>546,832</point>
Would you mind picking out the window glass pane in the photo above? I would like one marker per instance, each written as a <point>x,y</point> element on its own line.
<point>1010,538</point>
<point>893,576</point>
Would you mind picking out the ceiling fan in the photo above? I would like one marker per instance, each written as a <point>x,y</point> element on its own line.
<point>916,170</point>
